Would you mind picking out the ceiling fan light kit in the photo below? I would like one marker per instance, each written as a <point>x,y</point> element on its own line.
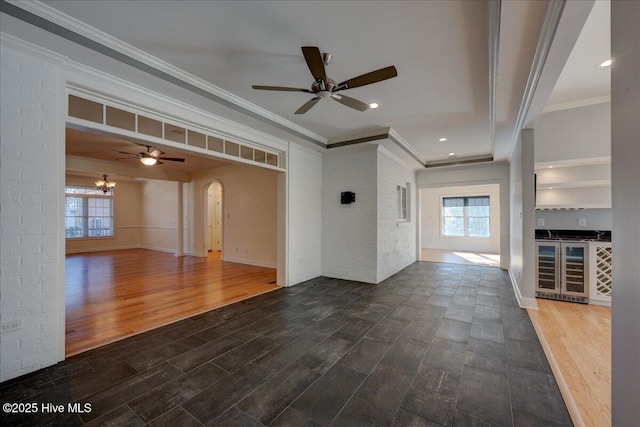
<point>151,158</point>
<point>148,161</point>
<point>324,87</point>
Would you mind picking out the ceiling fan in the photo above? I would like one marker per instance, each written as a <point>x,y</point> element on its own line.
<point>150,158</point>
<point>324,87</point>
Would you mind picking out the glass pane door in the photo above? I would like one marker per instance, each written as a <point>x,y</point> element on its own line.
<point>547,265</point>
<point>574,269</point>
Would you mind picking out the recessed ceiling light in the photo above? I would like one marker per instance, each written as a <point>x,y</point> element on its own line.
<point>550,167</point>
<point>374,105</point>
<point>443,139</point>
<point>452,154</point>
<point>550,188</point>
<point>606,63</point>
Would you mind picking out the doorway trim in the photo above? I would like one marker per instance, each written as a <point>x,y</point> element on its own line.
<point>205,218</point>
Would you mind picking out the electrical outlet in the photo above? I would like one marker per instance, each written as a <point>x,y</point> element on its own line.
<point>11,325</point>
<point>540,222</point>
<point>582,222</point>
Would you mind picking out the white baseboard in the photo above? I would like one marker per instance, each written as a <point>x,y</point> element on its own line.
<point>604,303</point>
<point>522,301</point>
<point>303,278</point>
<point>153,248</point>
<point>249,262</point>
<point>112,248</point>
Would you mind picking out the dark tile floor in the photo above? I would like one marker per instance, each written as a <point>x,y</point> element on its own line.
<point>436,344</point>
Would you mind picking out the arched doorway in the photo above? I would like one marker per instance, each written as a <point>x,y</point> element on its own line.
<point>214,217</point>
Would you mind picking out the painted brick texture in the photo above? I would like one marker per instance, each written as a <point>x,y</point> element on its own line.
<point>29,252</point>
<point>396,240</point>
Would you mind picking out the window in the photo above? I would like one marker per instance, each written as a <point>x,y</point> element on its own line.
<point>403,202</point>
<point>87,213</point>
<point>465,216</point>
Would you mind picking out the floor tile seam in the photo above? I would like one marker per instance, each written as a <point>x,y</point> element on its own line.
<point>421,416</point>
<point>316,380</point>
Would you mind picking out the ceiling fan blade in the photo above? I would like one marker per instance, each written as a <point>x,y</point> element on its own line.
<point>124,158</point>
<point>369,78</point>
<point>158,163</point>
<point>351,102</point>
<point>171,159</point>
<point>156,153</point>
<point>280,88</point>
<point>124,152</point>
<point>307,106</point>
<point>314,62</point>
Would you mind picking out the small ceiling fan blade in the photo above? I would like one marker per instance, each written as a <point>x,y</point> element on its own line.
<point>314,62</point>
<point>158,163</point>
<point>280,88</point>
<point>351,102</point>
<point>171,159</point>
<point>369,78</point>
<point>307,106</point>
<point>124,152</point>
<point>156,153</point>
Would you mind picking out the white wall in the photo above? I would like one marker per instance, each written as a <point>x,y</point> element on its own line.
<point>431,219</point>
<point>597,220</point>
<point>249,206</point>
<point>159,215</point>
<point>625,177</point>
<point>32,212</point>
<point>396,247</point>
<point>127,212</point>
<point>304,235</point>
<point>480,174</point>
<point>522,244</point>
<point>583,132</point>
<point>349,232</point>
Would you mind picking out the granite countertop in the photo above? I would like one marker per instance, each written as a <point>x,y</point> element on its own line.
<point>574,235</point>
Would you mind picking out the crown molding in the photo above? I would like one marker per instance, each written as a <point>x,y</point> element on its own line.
<point>170,72</point>
<point>549,26</point>
<point>494,50</point>
<point>586,161</point>
<point>32,49</point>
<point>577,104</point>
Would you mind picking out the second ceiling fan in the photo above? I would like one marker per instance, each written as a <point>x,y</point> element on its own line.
<point>324,87</point>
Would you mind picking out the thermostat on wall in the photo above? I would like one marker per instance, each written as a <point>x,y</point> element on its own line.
<point>347,197</point>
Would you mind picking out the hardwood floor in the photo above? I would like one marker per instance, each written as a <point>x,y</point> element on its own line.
<point>577,341</point>
<point>487,259</point>
<point>116,294</point>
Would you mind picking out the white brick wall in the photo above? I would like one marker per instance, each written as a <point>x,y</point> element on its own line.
<point>396,241</point>
<point>30,172</point>
<point>349,242</point>
<point>305,215</point>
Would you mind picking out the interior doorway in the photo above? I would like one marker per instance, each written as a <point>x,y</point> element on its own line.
<point>214,217</point>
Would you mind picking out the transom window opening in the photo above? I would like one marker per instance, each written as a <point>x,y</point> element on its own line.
<point>466,216</point>
<point>403,202</point>
<point>87,213</point>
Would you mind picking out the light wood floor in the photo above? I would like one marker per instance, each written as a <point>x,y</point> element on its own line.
<point>577,341</point>
<point>115,294</point>
<point>488,259</point>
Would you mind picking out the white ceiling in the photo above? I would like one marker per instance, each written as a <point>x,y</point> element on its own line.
<point>108,147</point>
<point>440,49</point>
<point>582,80</point>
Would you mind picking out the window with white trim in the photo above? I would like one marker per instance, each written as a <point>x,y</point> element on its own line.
<point>87,213</point>
<point>466,216</point>
<point>403,202</point>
